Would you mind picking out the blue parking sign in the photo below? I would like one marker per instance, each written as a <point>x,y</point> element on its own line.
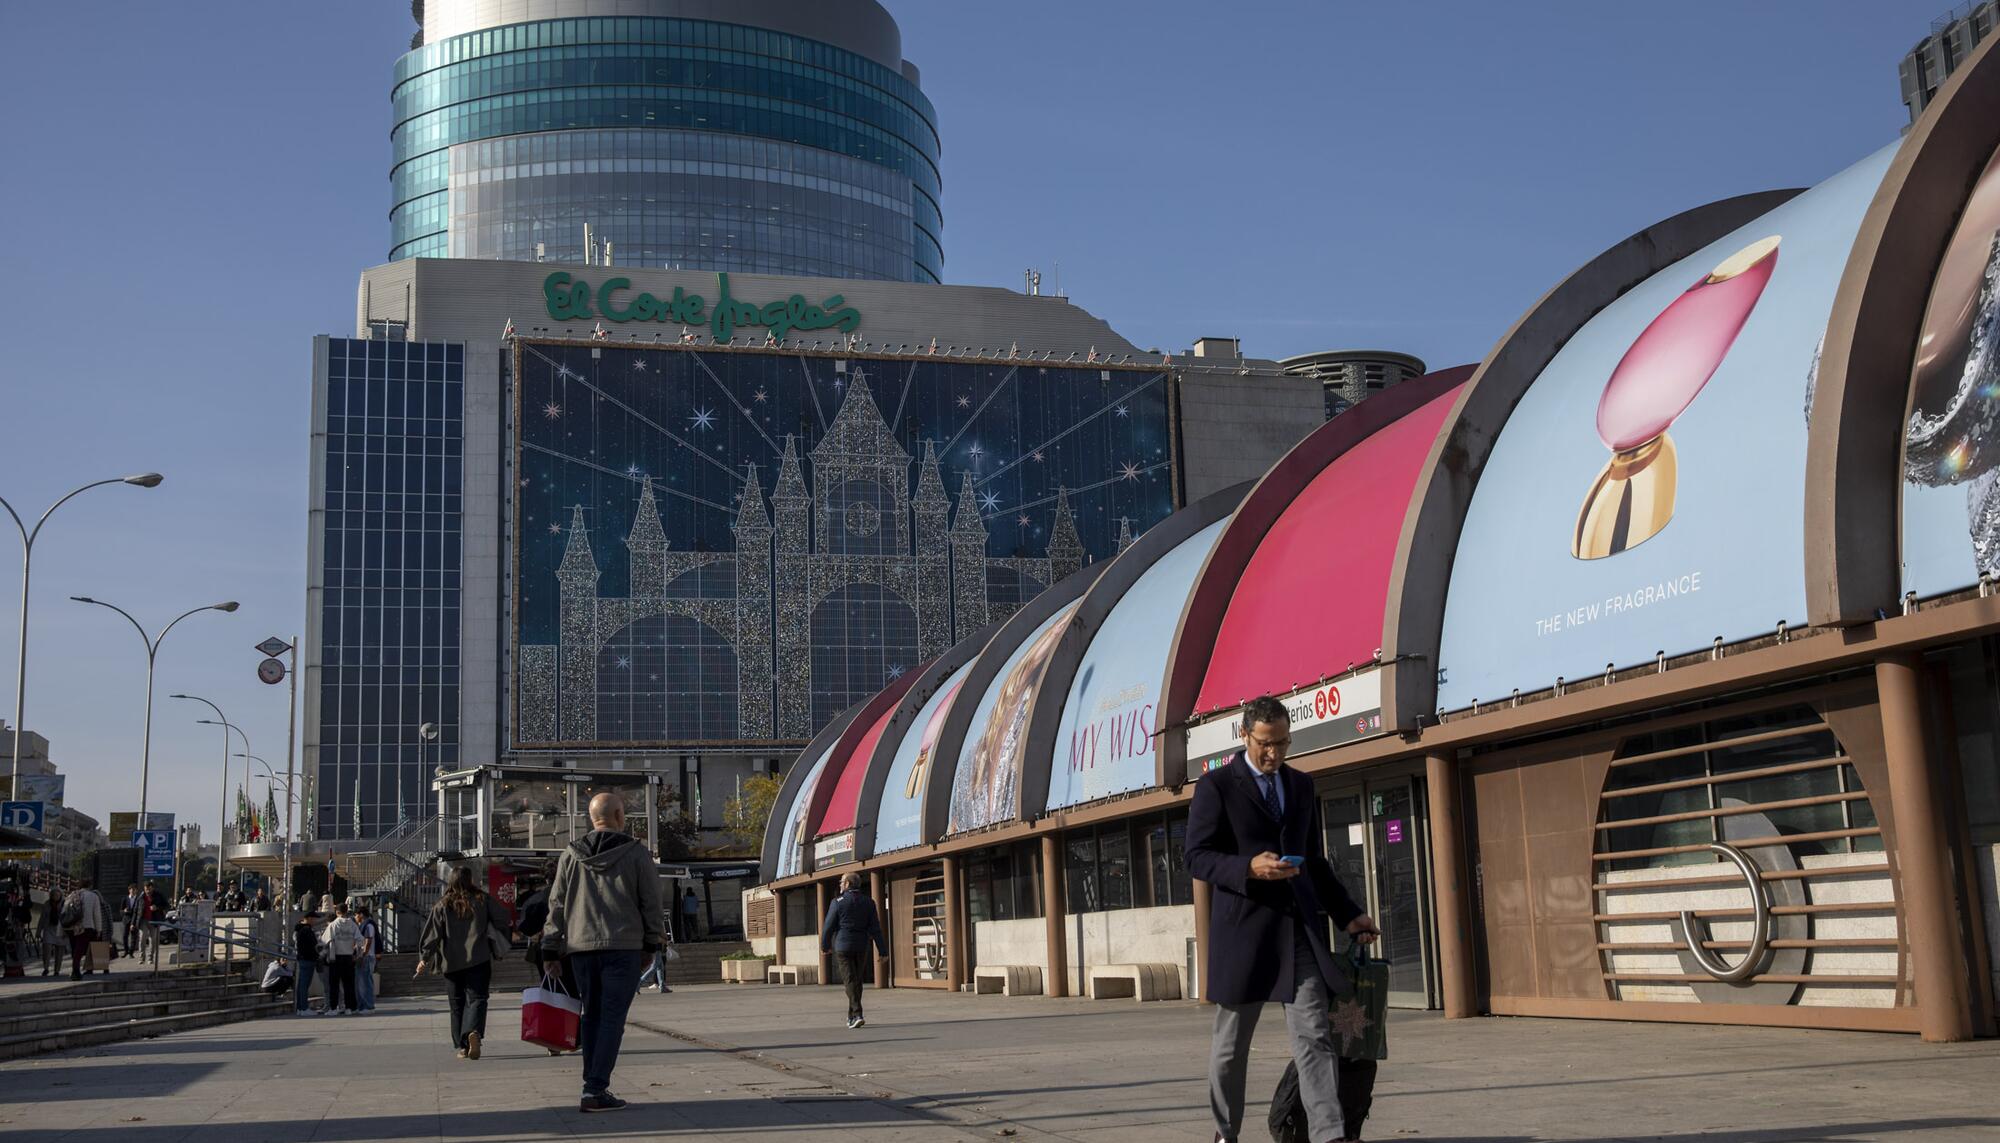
<point>21,815</point>
<point>159,847</point>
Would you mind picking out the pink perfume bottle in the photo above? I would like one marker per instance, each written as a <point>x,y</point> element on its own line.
<point>1632,498</point>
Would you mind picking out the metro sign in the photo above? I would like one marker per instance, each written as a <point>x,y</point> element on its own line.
<point>1323,715</point>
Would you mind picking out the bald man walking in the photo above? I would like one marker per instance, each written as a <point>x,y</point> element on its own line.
<point>606,917</point>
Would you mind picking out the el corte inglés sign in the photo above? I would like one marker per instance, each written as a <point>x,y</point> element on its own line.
<point>571,298</point>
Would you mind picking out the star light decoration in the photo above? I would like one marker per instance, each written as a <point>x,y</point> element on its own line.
<point>988,502</point>
<point>965,402</point>
<point>1037,457</point>
<point>703,419</point>
<point>760,396</point>
<point>639,363</point>
<point>1123,411</point>
<point>555,529</point>
<point>1128,471</point>
<point>1350,1019</point>
<point>552,410</point>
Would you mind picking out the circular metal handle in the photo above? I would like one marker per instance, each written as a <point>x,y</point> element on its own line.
<point>1760,925</point>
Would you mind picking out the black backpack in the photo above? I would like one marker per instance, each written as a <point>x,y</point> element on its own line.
<point>1288,1105</point>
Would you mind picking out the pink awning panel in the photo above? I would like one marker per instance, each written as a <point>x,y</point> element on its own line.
<point>1310,601</point>
<point>847,792</point>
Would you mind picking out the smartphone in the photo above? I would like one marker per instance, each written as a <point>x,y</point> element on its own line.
<point>1293,860</point>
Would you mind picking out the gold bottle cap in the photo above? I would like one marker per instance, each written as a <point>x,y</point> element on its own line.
<point>1742,260</point>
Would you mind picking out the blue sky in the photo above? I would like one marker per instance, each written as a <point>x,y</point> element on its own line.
<point>194,188</point>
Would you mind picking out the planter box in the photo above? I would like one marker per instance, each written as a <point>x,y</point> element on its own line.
<point>745,971</point>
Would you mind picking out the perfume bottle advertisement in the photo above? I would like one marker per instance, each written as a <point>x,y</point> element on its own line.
<point>1645,494</point>
<point>1951,444</point>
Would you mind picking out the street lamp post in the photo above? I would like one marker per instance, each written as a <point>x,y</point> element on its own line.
<point>286,887</point>
<point>152,655</point>
<point>222,822</point>
<point>143,480</point>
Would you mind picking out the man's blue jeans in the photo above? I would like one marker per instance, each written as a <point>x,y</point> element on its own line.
<point>607,981</point>
<point>303,984</point>
<point>364,981</point>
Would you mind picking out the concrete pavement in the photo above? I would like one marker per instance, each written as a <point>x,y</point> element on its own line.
<point>730,1063</point>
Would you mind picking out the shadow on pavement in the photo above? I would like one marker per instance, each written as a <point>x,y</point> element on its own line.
<point>691,1120</point>
<point>67,1084</point>
<point>183,1045</point>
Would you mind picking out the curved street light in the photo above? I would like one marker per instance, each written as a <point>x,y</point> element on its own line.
<point>222,817</point>
<point>142,480</point>
<point>152,654</point>
<point>286,782</point>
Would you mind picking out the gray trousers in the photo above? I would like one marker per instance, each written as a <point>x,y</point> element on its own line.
<point>1312,1049</point>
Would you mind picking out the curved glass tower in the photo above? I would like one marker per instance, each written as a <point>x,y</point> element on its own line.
<point>762,136</point>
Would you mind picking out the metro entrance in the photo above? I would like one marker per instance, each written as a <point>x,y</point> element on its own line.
<point>1378,841</point>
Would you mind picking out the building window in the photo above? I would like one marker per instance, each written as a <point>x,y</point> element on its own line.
<point>801,912</point>
<point>1135,863</point>
<point>1670,791</point>
<point>1004,883</point>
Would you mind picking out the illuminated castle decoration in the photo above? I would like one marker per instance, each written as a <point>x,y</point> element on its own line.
<point>843,581</point>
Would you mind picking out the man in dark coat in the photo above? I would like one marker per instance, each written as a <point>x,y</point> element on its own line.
<point>851,926</point>
<point>1267,932</point>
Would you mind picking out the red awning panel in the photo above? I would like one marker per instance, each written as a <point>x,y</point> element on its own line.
<point>1310,602</point>
<point>847,791</point>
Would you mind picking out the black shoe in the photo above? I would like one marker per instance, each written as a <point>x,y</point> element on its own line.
<point>603,1101</point>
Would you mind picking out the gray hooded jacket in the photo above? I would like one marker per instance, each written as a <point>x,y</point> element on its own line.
<point>606,898</point>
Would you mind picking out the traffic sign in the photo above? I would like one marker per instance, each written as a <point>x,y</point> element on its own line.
<point>159,847</point>
<point>22,815</point>
<point>271,671</point>
<point>273,647</point>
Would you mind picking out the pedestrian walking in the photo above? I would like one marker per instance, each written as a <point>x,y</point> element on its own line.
<point>342,938</point>
<point>133,905</point>
<point>605,913</point>
<point>656,973</point>
<point>851,927</point>
<point>458,940</point>
<point>54,943</point>
<point>305,952</point>
<point>263,903</point>
<point>690,915</point>
<point>84,919</point>
<point>531,918</point>
<point>1253,834</point>
<point>364,958</point>
<point>152,910</point>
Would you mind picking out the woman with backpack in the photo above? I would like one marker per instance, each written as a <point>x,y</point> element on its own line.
<point>465,932</point>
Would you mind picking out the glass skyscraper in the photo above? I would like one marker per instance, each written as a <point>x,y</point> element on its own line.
<point>384,581</point>
<point>761,136</point>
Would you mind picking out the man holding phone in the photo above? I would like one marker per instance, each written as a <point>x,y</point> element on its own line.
<point>1254,835</point>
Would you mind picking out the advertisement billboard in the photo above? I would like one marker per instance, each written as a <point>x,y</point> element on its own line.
<point>736,545</point>
<point>1951,446</point>
<point>125,821</point>
<point>1104,743</point>
<point>1644,496</point>
<point>44,788</point>
<point>986,789</point>
<point>899,820</point>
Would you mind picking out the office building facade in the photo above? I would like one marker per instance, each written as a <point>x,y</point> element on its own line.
<point>1351,376</point>
<point>774,136</point>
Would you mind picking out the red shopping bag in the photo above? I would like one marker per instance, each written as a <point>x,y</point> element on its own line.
<point>549,1016</point>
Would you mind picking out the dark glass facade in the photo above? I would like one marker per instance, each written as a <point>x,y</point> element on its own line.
<point>851,150</point>
<point>390,548</point>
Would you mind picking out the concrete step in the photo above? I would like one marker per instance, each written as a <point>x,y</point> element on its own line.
<point>126,988</point>
<point>175,1005</point>
<point>111,1031</point>
<point>56,1004</point>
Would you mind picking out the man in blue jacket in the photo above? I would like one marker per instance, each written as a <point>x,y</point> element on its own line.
<point>1267,931</point>
<point>851,926</point>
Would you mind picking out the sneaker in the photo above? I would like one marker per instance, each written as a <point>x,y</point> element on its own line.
<point>472,1045</point>
<point>861,1021</point>
<point>461,1053</point>
<point>853,1022</point>
<point>602,1101</point>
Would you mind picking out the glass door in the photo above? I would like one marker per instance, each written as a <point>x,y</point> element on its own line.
<point>1377,840</point>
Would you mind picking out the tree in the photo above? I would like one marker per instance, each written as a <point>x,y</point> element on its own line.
<point>679,833</point>
<point>745,816</point>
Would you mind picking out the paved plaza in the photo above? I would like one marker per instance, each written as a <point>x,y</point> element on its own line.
<point>719,1062</point>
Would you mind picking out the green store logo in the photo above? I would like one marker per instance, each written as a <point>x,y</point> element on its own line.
<point>570,298</point>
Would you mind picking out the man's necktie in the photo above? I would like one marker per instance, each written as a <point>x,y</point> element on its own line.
<point>1270,784</point>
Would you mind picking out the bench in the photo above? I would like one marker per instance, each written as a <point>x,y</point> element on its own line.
<point>1133,981</point>
<point>1007,980</point>
<point>792,974</point>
